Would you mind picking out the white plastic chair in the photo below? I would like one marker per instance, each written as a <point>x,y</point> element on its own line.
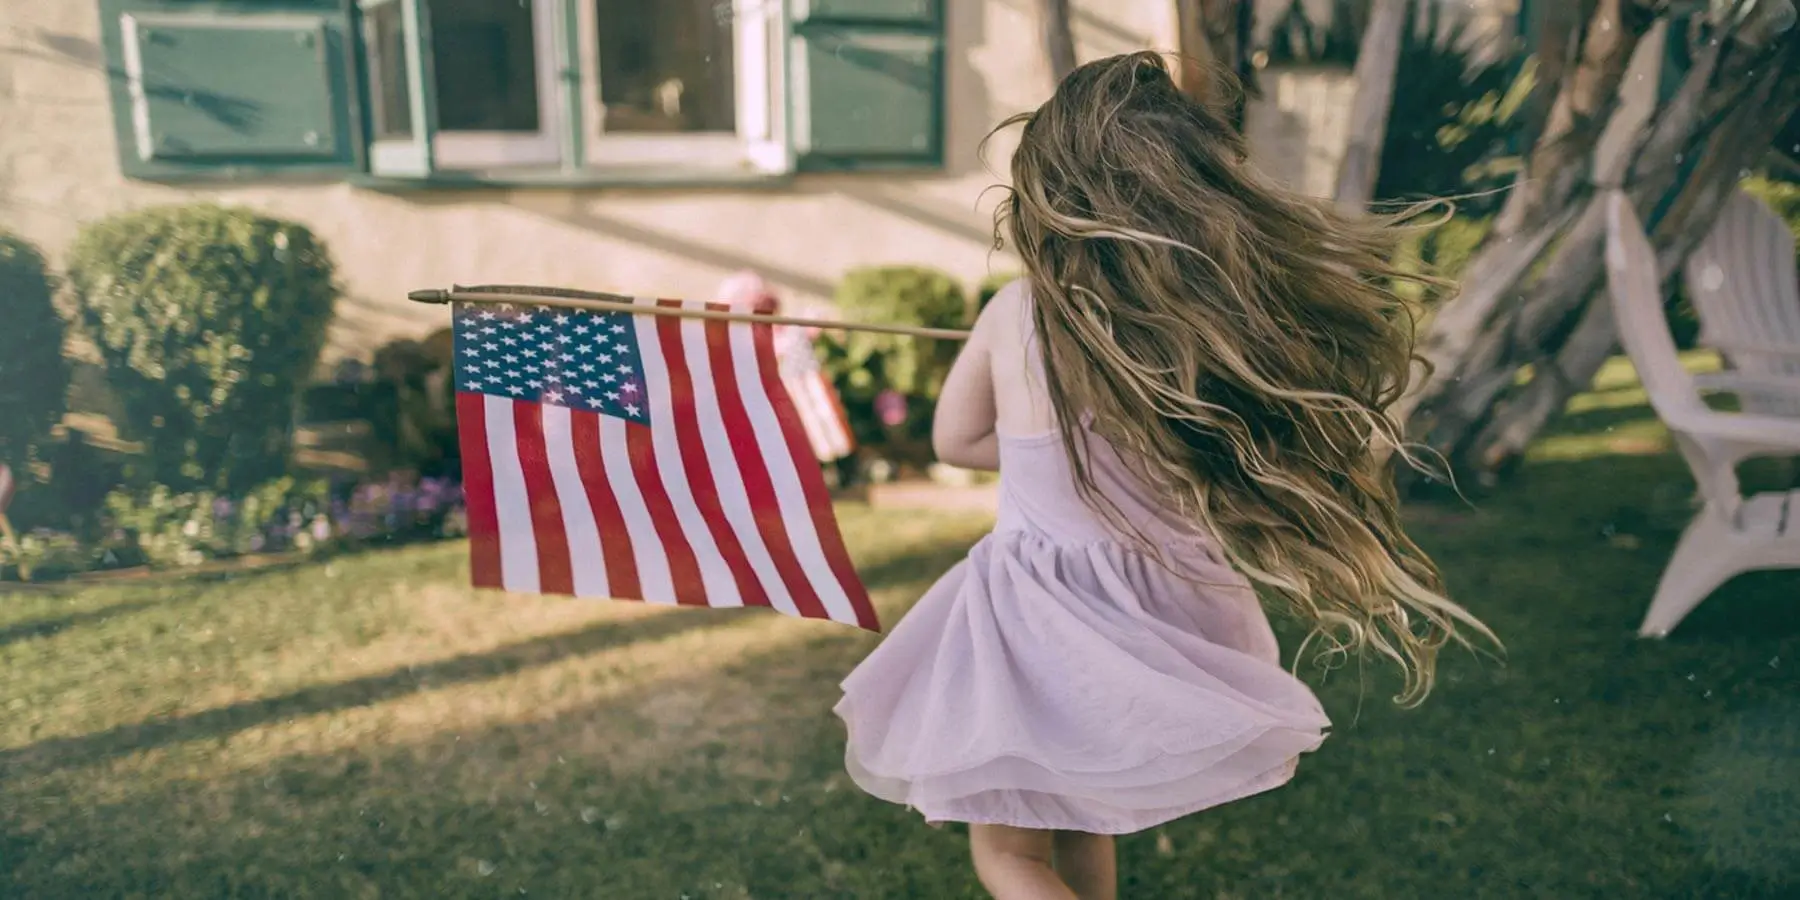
<point>1732,534</point>
<point>1746,293</point>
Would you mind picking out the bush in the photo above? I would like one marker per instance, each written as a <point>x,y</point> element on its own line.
<point>209,320</point>
<point>416,430</point>
<point>163,526</point>
<point>864,364</point>
<point>34,376</point>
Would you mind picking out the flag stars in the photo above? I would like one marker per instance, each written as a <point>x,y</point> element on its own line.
<point>574,359</point>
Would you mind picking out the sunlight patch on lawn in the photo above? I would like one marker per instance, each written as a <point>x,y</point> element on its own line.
<point>415,659</point>
<point>1645,437</point>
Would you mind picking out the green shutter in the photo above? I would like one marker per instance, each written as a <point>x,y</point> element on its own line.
<point>866,84</point>
<point>228,90</point>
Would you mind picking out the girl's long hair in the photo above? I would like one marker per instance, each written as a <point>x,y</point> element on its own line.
<point>1238,344</point>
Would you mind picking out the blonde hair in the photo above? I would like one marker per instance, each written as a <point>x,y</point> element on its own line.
<point>1239,345</point>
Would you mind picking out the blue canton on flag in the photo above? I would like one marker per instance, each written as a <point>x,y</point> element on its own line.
<point>570,358</point>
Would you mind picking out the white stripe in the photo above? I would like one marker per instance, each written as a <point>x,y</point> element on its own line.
<point>792,498</point>
<point>518,539</point>
<point>837,435</point>
<point>728,479</point>
<point>655,580</point>
<point>587,564</point>
<point>715,575</point>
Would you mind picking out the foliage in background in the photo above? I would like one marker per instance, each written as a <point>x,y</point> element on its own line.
<point>1297,39</point>
<point>420,433</point>
<point>34,376</point>
<point>1453,115</point>
<point>863,364</point>
<point>167,527</point>
<point>209,319</point>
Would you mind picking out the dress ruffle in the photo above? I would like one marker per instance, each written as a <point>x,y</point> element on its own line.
<point>1078,687</point>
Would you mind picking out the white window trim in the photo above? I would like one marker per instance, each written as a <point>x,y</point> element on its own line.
<point>759,142</point>
<point>391,155</point>
<point>499,149</point>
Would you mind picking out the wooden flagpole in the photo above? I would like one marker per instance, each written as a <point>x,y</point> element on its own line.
<point>593,301</point>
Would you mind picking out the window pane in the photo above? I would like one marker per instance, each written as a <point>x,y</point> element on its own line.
<point>666,66</point>
<point>486,65</point>
<point>385,37</point>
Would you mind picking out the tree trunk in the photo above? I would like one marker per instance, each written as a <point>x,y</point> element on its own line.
<point>1059,38</point>
<point>1377,61</point>
<point>1534,213</point>
<point>1726,142</point>
<point>1214,37</point>
<point>1722,119</point>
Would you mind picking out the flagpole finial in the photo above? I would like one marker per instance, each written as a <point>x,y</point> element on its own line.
<point>429,295</point>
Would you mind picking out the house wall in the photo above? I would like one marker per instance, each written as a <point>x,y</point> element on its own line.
<point>59,168</point>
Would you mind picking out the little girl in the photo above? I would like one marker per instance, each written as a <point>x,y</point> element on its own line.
<point>1185,396</point>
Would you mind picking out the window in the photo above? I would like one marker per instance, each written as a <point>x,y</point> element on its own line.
<point>493,66</point>
<point>524,91</point>
<point>681,82</point>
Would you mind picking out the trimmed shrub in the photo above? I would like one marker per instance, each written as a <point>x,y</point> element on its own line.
<point>864,365</point>
<point>34,376</point>
<point>417,429</point>
<point>210,319</point>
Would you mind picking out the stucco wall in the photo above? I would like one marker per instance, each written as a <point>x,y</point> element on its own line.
<point>59,168</point>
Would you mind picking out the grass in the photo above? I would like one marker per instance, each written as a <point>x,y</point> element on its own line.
<point>371,728</point>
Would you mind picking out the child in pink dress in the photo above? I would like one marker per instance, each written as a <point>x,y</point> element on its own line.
<point>1185,397</point>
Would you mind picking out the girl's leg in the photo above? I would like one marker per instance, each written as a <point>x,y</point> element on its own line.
<point>1087,863</point>
<point>1017,863</point>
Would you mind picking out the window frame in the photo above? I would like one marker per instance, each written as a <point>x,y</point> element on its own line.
<point>566,41</point>
<point>758,84</point>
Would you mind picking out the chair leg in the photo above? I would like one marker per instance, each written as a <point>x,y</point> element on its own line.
<point>1706,557</point>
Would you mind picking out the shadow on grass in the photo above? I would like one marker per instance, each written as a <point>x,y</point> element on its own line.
<point>1593,764</point>
<point>536,652</point>
<point>42,628</point>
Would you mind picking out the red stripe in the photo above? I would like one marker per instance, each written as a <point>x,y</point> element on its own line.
<point>683,410</point>
<point>615,538</point>
<point>812,481</point>
<point>754,468</point>
<point>554,576</point>
<point>478,491</point>
<point>683,566</point>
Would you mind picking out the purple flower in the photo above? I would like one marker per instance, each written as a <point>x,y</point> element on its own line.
<point>890,408</point>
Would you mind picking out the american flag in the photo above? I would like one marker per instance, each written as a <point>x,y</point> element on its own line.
<point>815,397</point>
<point>643,457</point>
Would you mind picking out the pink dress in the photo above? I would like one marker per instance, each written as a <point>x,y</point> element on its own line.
<point>1059,679</point>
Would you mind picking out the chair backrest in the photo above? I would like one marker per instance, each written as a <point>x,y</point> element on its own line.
<point>1746,291</point>
<point>1637,304</point>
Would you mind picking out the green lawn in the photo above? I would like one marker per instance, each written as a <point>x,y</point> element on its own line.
<point>371,728</point>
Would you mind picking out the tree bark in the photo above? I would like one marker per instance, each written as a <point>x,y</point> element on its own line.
<point>1213,38</point>
<point>1737,126</point>
<point>1725,115</point>
<point>1059,38</point>
<point>1377,62</point>
<point>1535,212</point>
